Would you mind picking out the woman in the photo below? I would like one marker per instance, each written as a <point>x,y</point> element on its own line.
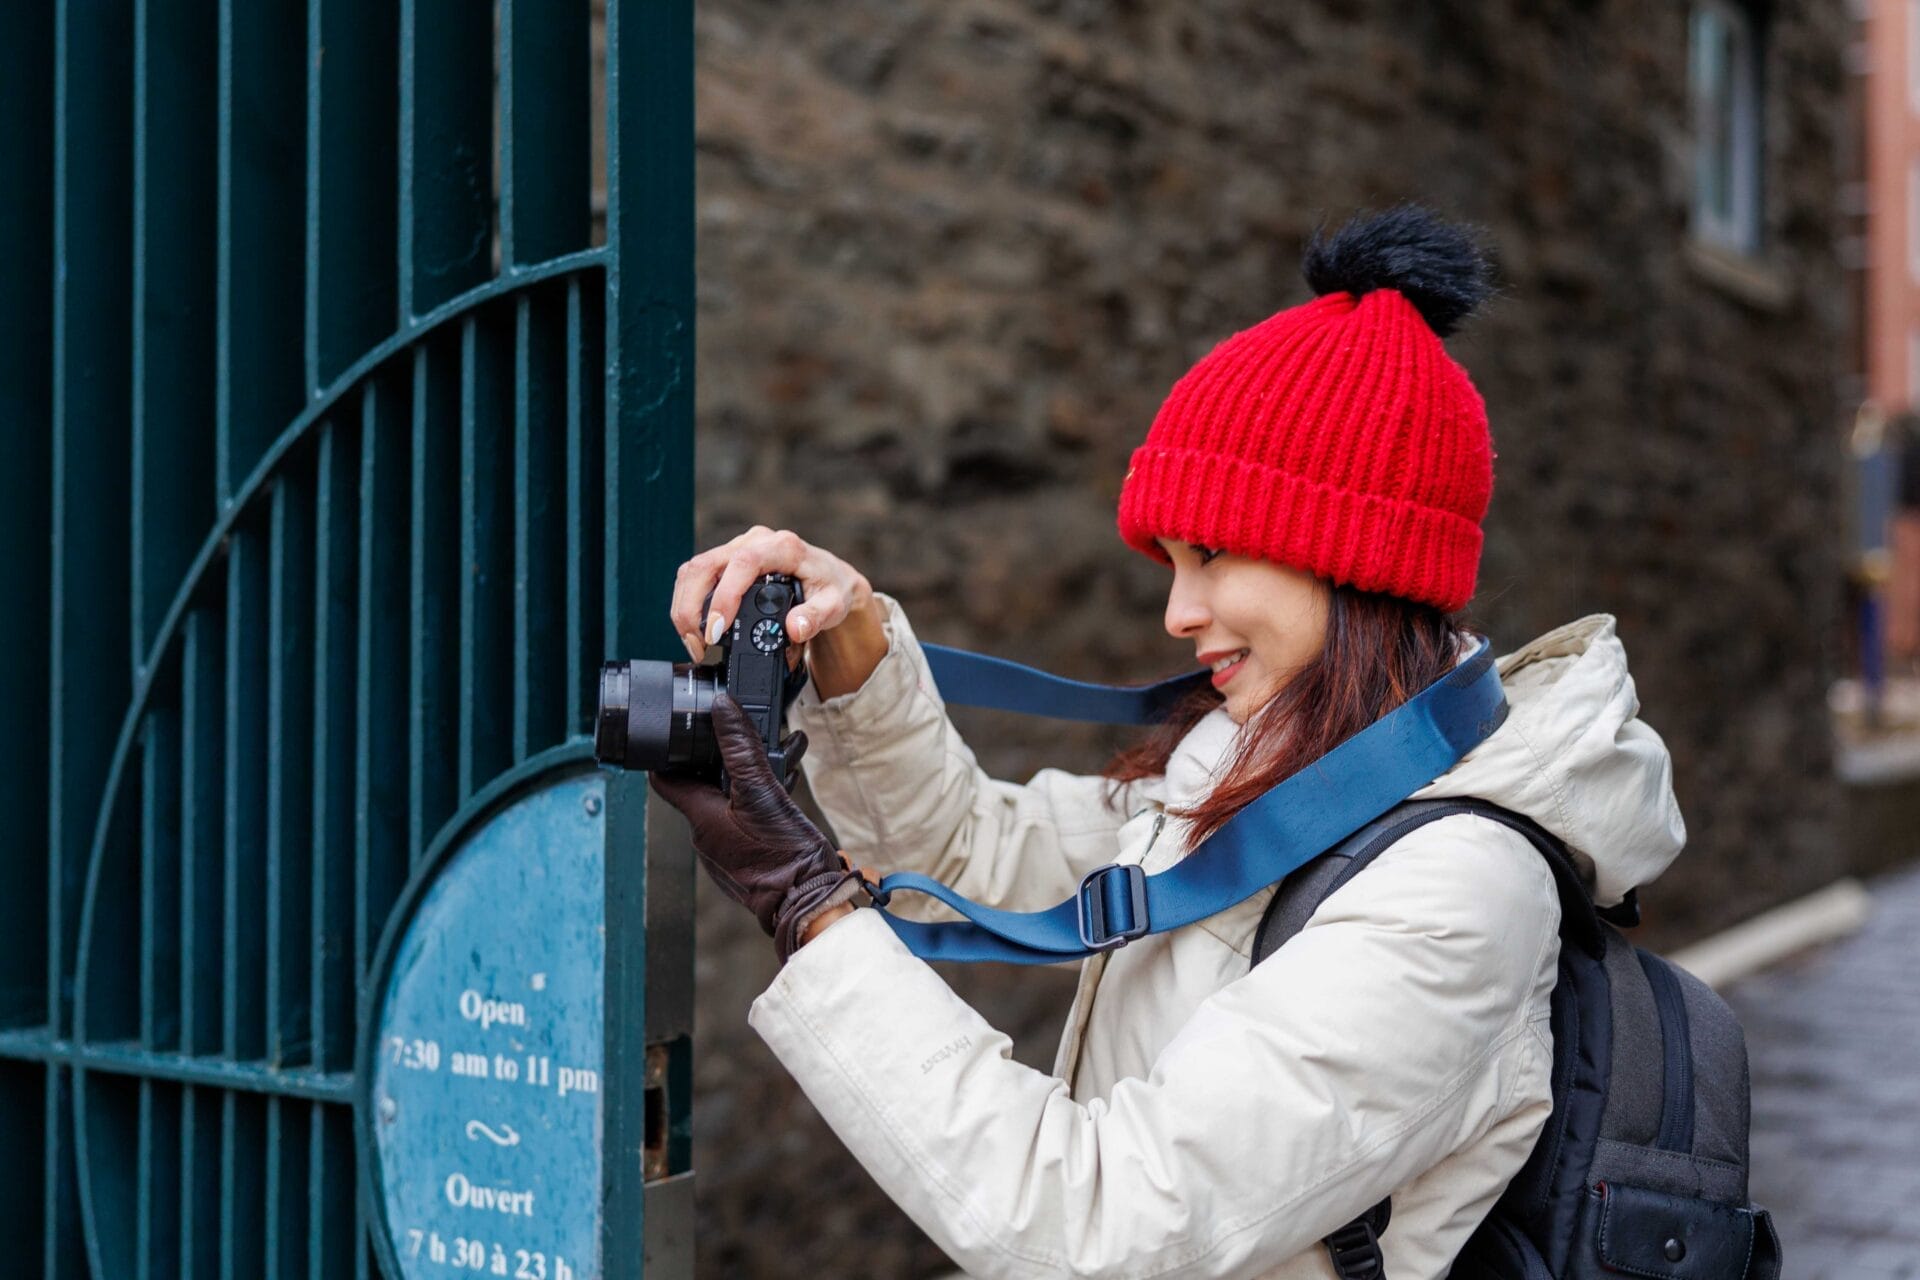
<point>1316,486</point>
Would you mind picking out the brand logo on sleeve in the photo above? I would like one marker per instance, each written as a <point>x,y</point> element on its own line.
<point>946,1051</point>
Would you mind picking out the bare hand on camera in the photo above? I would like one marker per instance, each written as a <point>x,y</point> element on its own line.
<point>838,623</point>
<point>832,587</point>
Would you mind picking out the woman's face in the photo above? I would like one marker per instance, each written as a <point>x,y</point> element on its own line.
<point>1255,622</point>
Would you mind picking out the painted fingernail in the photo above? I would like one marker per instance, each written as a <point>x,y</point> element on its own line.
<point>716,627</point>
<point>797,628</point>
<point>694,647</point>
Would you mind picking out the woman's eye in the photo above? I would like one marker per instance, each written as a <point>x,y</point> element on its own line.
<point>1205,553</point>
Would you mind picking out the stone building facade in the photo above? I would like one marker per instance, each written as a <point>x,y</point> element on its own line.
<point>953,254</point>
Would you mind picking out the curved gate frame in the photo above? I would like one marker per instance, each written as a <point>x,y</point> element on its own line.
<point>354,456</point>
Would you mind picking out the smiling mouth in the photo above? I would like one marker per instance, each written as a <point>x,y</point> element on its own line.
<point>1222,664</point>
<point>1229,666</point>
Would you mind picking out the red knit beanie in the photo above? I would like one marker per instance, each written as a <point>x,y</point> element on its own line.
<point>1338,436</point>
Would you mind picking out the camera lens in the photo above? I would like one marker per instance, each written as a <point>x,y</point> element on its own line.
<point>656,715</point>
<point>610,722</point>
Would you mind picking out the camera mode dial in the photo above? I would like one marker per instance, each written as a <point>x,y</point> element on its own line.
<point>767,635</point>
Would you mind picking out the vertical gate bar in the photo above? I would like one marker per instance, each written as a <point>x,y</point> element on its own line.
<point>106,1108</point>
<point>623,1228</point>
<point>433,731</point>
<point>53,1113</point>
<point>26,516</point>
<point>191,1200</point>
<point>202,927</point>
<point>66,1246</point>
<point>146,1209</point>
<point>243,992</point>
<point>199,1183</point>
<point>243,1202</point>
<point>336,547</point>
<point>586,627</point>
<point>160,901</point>
<point>649,518</point>
<point>107,979</point>
<point>144,1243</point>
<point>545,142</point>
<point>158,1233</point>
<point>289,713</point>
<point>175,181</point>
<point>333,1236</point>
<point>91,677</point>
<point>352,158</point>
<point>446,151</point>
<point>540,691</point>
<point>262,169</point>
<point>160,879</point>
<point>381,719</point>
<point>649,329</point>
<point>525,487</point>
<point>202,828</point>
<point>486,555</point>
<point>285,1246</point>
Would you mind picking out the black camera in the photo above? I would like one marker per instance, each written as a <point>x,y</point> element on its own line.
<point>659,715</point>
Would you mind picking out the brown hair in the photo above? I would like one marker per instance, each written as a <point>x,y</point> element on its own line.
<point>1380,651</point>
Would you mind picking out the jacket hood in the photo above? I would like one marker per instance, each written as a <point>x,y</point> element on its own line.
<point>1572,755</point>
<point>1575,758</point>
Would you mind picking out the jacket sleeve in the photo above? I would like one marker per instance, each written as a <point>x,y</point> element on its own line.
<point>904,793</point>
<point>1402,1024</point>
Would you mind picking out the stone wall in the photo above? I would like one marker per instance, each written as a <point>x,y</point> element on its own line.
<point>953,254</point>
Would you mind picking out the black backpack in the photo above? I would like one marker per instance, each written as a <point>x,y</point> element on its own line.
<point>1642,1167</point>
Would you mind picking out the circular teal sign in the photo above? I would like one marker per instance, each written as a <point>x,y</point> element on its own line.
<point>486,1083</point>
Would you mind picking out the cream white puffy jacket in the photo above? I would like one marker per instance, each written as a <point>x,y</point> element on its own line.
<point>1201,1119</point>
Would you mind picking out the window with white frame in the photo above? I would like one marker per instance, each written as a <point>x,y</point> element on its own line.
<point>1724,84</point>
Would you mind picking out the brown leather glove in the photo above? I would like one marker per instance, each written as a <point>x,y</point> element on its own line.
<point>757,844</point>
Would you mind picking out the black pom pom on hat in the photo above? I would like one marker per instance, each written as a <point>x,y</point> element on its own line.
<point>1436,265</point>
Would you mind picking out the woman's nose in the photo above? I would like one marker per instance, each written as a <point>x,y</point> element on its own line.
<point>1186,614</point>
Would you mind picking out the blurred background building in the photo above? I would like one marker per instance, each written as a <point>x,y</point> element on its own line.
<point>1884,194</point>
<point>1876,700</point>
<point>953,255</point>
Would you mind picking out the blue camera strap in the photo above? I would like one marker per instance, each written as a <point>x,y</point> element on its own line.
<point>1289,826</point>
<point>977,680</point>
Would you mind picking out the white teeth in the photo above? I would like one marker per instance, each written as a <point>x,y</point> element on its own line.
<point>1229,660</point>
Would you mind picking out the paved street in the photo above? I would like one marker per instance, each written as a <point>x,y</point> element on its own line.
<point>1834,1039</point>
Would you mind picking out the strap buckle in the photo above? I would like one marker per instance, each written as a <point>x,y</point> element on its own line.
<point>1355,1251</point>
<point>1097,932</point>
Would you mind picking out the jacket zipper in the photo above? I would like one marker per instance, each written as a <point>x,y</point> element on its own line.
<point>1085,1020</point>
<point>1159,821</point>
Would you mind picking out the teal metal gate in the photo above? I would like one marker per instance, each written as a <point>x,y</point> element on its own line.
<point>341,446</point>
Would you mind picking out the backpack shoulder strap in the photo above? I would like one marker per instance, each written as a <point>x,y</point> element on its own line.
<point>1355,1249</point>
<point>1301,893</point>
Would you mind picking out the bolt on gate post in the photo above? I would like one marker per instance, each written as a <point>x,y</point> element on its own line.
<point>347,393</point>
